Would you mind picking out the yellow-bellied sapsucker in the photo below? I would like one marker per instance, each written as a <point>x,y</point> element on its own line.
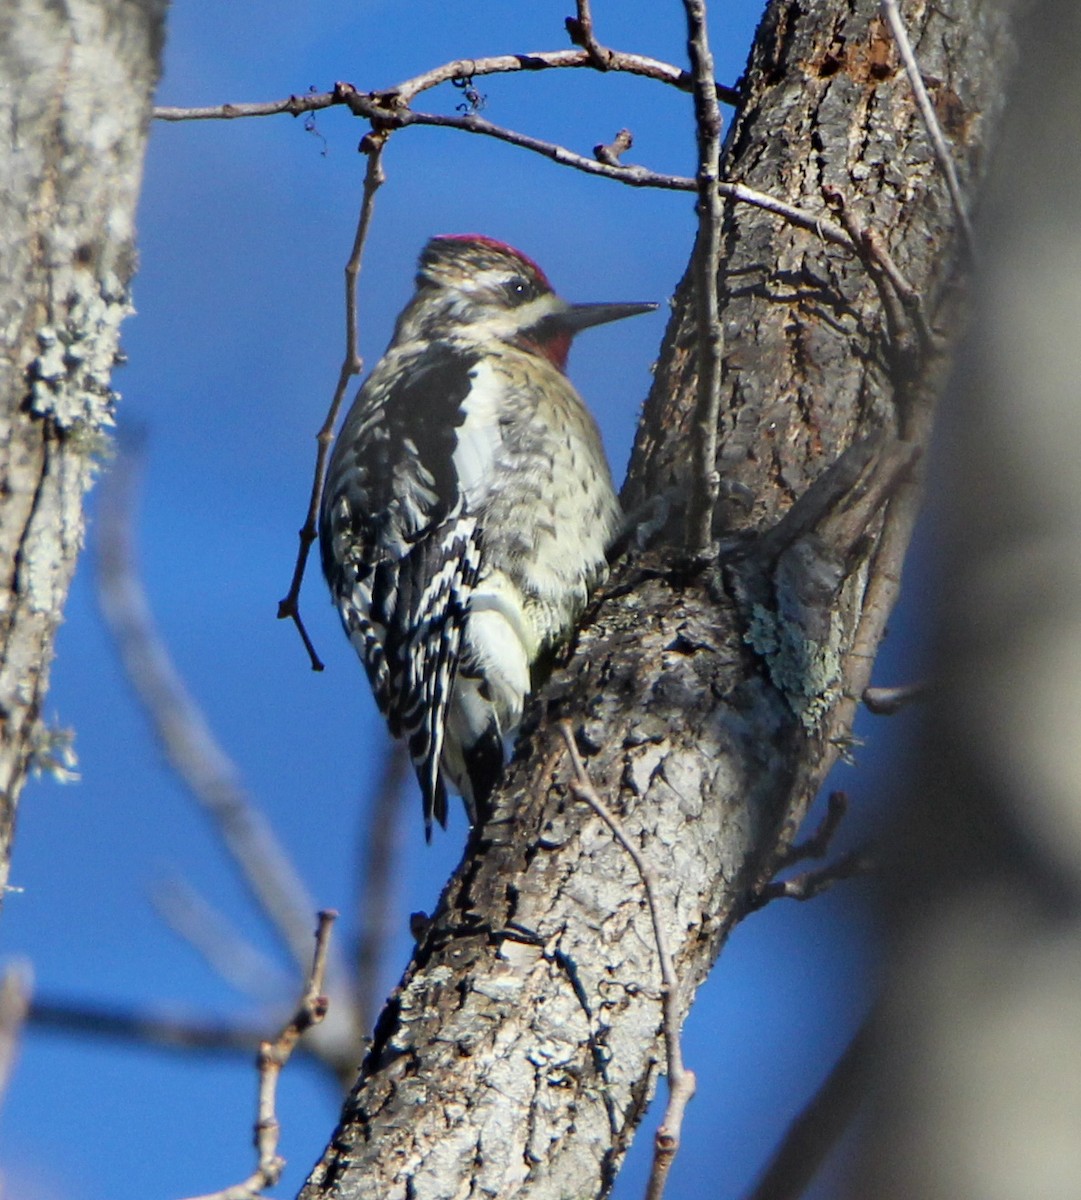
<point>467,508</point>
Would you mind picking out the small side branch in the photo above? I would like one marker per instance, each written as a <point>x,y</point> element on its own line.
<point>681,1081</point>
<point>930,119</point>
<point>272,1058</point>
<point>818,844</point>
<point>611,152</point>
<point>885,701</point>
<point>899,298</point>
<point>706,480</point>
<point>580,29</point>
<point>15,987</point>
<point>813,883</point>
<point>352,364</point>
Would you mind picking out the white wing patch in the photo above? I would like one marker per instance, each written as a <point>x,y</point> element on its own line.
<point>479,438</point>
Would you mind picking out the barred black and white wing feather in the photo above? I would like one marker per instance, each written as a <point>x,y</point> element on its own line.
<point>401,548</point>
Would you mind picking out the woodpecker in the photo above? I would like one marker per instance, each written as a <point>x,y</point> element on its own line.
<point>467,509</point>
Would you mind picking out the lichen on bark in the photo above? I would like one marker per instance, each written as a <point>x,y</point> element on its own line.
<point>71,151</point>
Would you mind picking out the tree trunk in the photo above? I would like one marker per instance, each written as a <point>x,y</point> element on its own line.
<point>520,1050</point>
<point>74,113</point>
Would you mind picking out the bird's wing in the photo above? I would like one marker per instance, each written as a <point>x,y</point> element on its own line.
<point>401,543</point>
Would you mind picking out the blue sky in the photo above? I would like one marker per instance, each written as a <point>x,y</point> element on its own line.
<point>244,229</point>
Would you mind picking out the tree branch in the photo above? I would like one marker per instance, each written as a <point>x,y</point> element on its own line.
<point>15,988</point>
<point>272,1058</point>
<point>810,884</point>
<point>225,951</point>
<point>706,480</point>
<point>885,701</point>
<point>404,93</point>
<point>144,1027</point>
<point>581,33</point>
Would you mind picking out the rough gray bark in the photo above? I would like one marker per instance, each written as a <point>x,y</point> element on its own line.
<point>979,1057</point>
<point>517,1055</point>
<point>74,111</point>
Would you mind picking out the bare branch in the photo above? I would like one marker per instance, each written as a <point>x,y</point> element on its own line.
<point>930,120</point>
<point>580,29</point>
<point>272,1058</point>
<point>377,872</point>
<point>813,883</point>
<point>15,987</point>
<point>611,152</point>
<point>818,844</point>
<point>404,93</point>
<point>193,751</point>
<point>387,118</point>
<point>216,941</point>
<point>472,122</point>
<point>706,480</point>
<point>816,1129</point>
<point>352,365</point>
<point>885,701</point>
<point>902,305</point>
<point>293,105</point>
<point>160,1030</point>
<point>681,1081</point>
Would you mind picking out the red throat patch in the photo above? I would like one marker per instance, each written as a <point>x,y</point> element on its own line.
<point>555,349</point>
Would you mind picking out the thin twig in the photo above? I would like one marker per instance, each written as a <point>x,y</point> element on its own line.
<point>819,842</point>
<point>816,1129</point>
<point>915,402</point>
<point>633,176</point>
<point>361,104</point>
<point>272,1058</point>
<point>403,93</point>
<point>472,122</point>
<point>885,701</point>
<point>902,305</point>
<point>681,1080</point>
<point>502,64</point>
<point>582,34</point>
<point>352,365</point>
<point>15,987</point>
<point>706,480</point>
<point>930,120</point>
<point>810,884</point>
<point>190,746</point>
<point>611,152</point>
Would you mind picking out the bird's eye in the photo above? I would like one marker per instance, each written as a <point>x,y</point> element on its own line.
<point>518,288</point>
